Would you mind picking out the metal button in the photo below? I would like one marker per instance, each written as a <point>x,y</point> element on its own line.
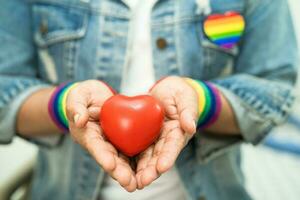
<point>43,27</point>
<point>161,43</point>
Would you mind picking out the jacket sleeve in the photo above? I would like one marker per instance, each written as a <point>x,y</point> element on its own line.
<point>261,90</point>
<point>18,66</point>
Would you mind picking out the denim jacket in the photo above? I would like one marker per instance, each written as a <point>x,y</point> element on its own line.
<point>46,42</point>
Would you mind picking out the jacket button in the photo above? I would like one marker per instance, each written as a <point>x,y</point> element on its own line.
<point>161,43</point>
<point>43,27</point>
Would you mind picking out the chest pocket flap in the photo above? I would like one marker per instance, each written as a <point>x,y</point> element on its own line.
<point>58,22</point>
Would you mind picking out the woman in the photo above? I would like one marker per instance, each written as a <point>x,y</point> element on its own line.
<point>128,45</point>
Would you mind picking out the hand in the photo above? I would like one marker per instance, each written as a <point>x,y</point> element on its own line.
<point>83,106</point>
<point>180,102</point>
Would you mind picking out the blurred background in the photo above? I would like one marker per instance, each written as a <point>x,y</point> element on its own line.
<point>272,169</point>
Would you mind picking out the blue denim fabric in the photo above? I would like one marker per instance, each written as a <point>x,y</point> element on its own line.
<point>46,42</point>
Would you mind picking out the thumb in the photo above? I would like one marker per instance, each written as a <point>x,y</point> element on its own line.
<point>187,110</point>
<point>77,111</point>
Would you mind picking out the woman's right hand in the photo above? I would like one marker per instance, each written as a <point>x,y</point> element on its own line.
<point>83,106</point>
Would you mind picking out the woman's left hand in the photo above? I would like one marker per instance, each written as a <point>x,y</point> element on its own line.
<point>180,102</point>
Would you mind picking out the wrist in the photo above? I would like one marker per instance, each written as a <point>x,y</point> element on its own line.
<point>33,118</point>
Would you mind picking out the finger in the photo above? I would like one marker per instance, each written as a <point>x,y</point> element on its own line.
<point>187,109</point>
<point>110,162</point>
<point>132,185</point>
<point>170,108</point>
<point>144,158</point>
<point>91,138</point>
<point>103,153</point>
<point>147,171</point>
<point>116,167</point>
<point>142,162</point>
<point>173,145</point>
<point>169,104</point>
<point>94,113</point>
<point>150,173</point>
<point>124,174</point>
<point>77,103</point>
<point>188,121</point>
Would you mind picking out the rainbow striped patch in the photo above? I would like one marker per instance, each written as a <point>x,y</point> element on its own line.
<point>224,30</point>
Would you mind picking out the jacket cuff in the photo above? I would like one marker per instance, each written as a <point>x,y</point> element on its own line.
<point>252,126</point>
<point>8,121</point>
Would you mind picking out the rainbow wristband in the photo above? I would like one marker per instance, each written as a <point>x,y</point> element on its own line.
<point>57,106</point>
<point>209,101</point>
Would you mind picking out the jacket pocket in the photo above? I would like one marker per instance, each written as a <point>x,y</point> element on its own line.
<point>58,32</point>
<point>218,61</point>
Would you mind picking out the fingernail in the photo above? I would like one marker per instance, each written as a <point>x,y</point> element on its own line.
<point>194,126</point>
<point>76,117</point>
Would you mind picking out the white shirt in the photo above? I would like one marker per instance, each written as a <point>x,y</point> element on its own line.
<point>138,77</point>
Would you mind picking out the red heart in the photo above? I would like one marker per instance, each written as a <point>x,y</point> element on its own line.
<point>131,124</point>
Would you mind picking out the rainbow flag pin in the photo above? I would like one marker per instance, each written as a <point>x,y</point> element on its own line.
<point>224,30</point>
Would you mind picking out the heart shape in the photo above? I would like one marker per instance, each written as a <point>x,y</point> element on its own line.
<point>131,124</point>
<point>224,30</point>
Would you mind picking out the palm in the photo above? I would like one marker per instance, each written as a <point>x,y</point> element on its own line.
<point>180,104</point>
